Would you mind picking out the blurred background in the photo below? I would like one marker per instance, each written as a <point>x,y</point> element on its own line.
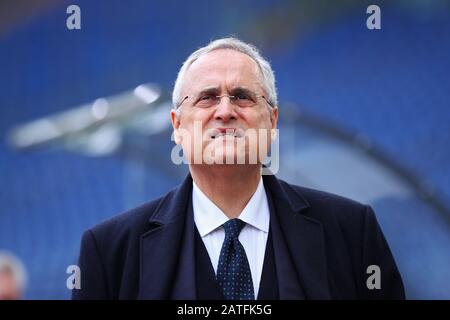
<point>85,131</point>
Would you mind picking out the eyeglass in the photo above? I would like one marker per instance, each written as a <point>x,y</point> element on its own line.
<point>242,99</point>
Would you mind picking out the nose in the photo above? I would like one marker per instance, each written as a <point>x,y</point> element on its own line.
<point>225,110</point>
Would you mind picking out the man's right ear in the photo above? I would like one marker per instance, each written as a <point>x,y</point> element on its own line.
<point>174,117</point>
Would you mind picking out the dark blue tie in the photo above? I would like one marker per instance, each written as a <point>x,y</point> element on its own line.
<point>233,271</point>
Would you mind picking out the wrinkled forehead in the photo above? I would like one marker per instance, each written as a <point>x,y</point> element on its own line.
<point>223,68</point>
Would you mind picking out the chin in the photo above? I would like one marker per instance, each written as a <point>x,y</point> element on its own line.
<point>232,157</point>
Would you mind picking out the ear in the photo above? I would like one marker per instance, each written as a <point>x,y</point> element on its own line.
<point>274,120</point>
<point>274,117</point>
<point>175,118</point>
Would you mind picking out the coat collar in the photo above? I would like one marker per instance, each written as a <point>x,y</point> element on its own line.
<point>160,245</point>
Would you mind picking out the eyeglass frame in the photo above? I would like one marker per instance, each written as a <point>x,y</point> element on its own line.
<point>219,99</point>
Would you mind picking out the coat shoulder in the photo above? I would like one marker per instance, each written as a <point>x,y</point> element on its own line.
<point>135,220</point>
<point>325,205</point>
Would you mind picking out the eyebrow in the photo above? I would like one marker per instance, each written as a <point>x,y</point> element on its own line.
<point>216,91</point>
<point>243,90</point>
<point>208,90</point>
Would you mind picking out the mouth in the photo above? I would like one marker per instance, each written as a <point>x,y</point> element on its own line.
<point>227,132</point>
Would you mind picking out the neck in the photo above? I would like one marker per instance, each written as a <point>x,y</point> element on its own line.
<point>230,187</point>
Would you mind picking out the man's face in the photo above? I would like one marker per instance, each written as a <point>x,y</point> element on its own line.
<point>223,72</point>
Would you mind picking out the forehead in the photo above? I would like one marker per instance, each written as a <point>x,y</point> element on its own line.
<point>223,67</point>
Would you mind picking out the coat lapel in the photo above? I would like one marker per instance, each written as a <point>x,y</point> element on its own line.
<point>184,287</point>
<point>303,236</point>
<point>161,245</point>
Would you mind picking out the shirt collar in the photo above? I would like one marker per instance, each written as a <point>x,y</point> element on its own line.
<point>208,217</point>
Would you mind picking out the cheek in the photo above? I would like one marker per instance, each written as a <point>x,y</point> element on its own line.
<point>192,118</point>
<point>261,120</point>
<point>192,129</point>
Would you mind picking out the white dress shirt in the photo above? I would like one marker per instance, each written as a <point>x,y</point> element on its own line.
<point>209,220</point>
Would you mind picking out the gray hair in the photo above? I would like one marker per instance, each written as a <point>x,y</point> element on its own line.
<point>233,44</point>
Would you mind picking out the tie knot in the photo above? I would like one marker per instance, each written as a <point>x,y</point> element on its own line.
<point>233,227</point>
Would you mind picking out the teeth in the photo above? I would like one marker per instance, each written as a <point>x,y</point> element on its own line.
<point>234,134</point>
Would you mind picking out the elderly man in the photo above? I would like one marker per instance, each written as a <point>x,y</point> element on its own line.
<point>229,232</point>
